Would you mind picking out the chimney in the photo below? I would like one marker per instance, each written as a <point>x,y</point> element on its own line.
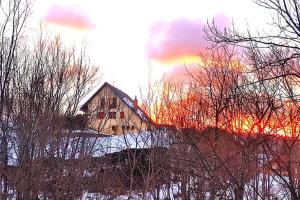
<point>135,102</point>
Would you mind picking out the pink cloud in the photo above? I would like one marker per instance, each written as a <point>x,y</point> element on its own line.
<point>182,37</point>
<point>69,16</point>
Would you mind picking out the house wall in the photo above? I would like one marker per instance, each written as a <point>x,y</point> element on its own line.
<point>130,123</point>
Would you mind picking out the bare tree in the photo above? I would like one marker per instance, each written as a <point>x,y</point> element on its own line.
<point>273,60</point>
<point>14,15</point>
<point>48,84</point>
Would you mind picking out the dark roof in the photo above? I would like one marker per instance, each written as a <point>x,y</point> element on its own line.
<point>122,95</point>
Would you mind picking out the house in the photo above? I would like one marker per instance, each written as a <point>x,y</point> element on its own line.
<point>113,112</point>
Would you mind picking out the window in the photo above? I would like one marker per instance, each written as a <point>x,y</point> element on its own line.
<point>102,103</point>
<point>112,115</point>
<point>122,115</point>
<point>127,128</point>
<point>112,102</point>
<point>101,115</point>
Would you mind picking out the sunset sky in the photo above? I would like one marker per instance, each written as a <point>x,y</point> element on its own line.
<point>128,38</point>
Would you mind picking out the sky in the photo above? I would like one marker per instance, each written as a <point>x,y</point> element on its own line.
<point>133,40</point>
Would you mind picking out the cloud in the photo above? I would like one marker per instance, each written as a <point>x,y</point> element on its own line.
<point>221,21</point>
<point>69,16</point>
<point>179,38</point>
<point>181,73</point>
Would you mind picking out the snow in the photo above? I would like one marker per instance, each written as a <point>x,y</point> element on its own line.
<point>275,188</point>
<point>128,102</point>
<point>141,114</point>
<point>165,192</point>
<point>12,142</point>
<point>87,143</point>
<point>273,184</point>
<point>76,147</point>
<point>138,111</point>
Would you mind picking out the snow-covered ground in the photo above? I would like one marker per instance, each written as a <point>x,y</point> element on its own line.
<point>168,193</point>
<point>79,145</point>
<point>267,186</point>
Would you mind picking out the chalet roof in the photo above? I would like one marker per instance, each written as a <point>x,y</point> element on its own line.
<point>125,98</point>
